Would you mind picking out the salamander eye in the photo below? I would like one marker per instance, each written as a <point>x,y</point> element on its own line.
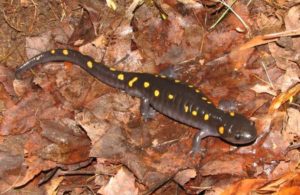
<point>237,136</point>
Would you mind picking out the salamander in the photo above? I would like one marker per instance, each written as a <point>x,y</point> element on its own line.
<point>171,97</point>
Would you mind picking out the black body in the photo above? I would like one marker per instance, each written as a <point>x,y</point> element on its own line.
<point>171,97</point>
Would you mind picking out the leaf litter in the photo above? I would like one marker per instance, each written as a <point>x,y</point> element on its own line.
<point>59,116</point>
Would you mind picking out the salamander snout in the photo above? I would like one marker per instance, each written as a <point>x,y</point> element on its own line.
<point>240,131</point>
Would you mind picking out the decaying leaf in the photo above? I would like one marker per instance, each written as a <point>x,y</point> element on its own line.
<point>122,183</point>
<point>184,176</point>
<point>59,116</point>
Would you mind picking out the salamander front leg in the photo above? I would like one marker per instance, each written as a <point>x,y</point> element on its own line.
<point>196,149</point>
<point>146,110</point>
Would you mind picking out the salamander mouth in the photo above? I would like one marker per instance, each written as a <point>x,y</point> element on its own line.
<point>247,139</point>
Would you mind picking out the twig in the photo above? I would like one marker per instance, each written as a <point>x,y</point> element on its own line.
<point>34,15</point>
<point>249,2</point>
<point>9,24</point>
<point>229,7</point>
<point>238,16</point>
<point>64,173</point>
<point>262,80</point>
<point>13,185</point>
<point>157,186</point>
<point>270,81</point>
<point>221,17</point>
<point>294,104</point>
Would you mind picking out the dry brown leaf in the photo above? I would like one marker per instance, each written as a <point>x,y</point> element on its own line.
<point>259,88</point>
<point>100,41</point>
<point>184,176</point>
<point>269,23</point>
<point>122,183</point>
<point>244,187</point>
<point>34,45</point>
<point>292,129</point>
<point>225,164</point>
<point>22,117</point>
<point>6,78</point>
<point>35,166</point>
<point>288,79</point>
<point>94,127</point>
<point>51,186</point>
<point>286,183</point>
<point>284,56</point>
<point>292,18</point>
<point>289,164</point>
<point>25,3</point>
<point>59,142</point>
<point>12,167</point>
<point>117,107</point>
<point>6,101</point>
<point>273,143</point>
<point>293,190</point>
<point>190,2</point>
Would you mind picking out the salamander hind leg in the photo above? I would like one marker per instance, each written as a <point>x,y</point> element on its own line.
<point>146,110</point>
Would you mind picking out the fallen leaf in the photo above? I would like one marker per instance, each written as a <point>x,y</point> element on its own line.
<point>259,88</point>
<point>289,79</point>
<point>12,167</point>
<point>287,183</point>
<point>293,190</point>
<point>34,166</point>
<point>53,184</point>
<point>244,187</point>
<point>122,183</point>
<point>59,143</point>
<point>225,164</point>
<point>23,116</point>
<point>6,78</point>
<point>184,176</point>
<point>292,128</point>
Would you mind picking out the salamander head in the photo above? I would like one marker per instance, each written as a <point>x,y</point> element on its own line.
<point>238,130</point>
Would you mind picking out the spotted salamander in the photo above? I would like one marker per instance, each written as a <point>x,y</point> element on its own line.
<point>171,97</point>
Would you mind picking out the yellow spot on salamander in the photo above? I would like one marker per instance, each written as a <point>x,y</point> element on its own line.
<point>156,93</point>
<point>194,113</point>
<point>186,108</point>
<point>221,130</point>
<point>163,76</point>
<point>146,84</point>
<point>197,91</point>
<point>191,86</point>
<point>231,114</point>
<point>132,81</point>
<point>65,52</point>
<point>206,117</point>
<point>121,77</point>
<point>89,64</point>
<point>156,75</point>
<point>112,69</point>
<point>170,96</point>
<point>208,102</point>
<point>52,51</point>
<point>177,81</point>
<point>204,98</point>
